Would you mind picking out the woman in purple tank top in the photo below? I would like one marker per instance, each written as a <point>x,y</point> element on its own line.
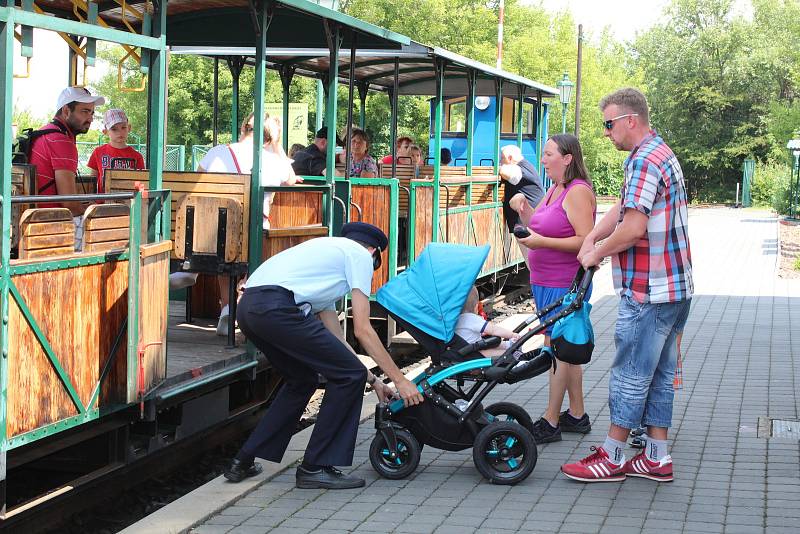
<point>558,226</point>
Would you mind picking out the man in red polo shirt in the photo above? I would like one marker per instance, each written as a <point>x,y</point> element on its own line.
<point>55,155</point>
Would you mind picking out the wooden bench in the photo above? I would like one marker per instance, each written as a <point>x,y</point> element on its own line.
<point>46,232</point>
<point>208,184</point>
<point>23,182</point>
<point>106,227</point>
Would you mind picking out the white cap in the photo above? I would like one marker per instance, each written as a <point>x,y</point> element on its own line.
<point>78,94</point>
<point>114,116</point>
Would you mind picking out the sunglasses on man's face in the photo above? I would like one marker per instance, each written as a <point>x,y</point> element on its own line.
<point>609,123</point>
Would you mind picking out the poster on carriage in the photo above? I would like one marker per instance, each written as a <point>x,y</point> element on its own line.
<point>298,120</point>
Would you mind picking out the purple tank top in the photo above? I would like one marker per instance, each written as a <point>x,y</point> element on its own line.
<point>550,267</point>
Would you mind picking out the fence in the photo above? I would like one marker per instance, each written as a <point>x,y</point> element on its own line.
<point>174,160</point>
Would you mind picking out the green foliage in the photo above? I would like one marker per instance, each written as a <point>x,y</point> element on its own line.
<point>797,264</point>
<point>722,87</point>
<point>712,79</point>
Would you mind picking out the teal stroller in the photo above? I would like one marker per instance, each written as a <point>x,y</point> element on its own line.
<point>426,301</point>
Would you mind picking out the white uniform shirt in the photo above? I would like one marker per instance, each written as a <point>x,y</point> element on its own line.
<point>276,168</point>
<point>319,271</point>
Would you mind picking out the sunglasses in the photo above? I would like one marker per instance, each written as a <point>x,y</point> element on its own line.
<point>608,124</point>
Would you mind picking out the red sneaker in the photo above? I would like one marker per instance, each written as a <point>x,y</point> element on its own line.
<point>641,466</point>
<point>596,467</point>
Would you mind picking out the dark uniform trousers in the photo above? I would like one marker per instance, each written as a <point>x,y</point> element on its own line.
<point>299,346</point>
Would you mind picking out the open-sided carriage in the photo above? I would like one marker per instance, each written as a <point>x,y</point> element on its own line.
<point>95,373</point>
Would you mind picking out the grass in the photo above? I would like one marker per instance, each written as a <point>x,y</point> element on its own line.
<point>797,263</point>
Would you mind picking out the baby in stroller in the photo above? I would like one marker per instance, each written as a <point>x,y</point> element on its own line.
<point>471,326</point>
<point>427,300</point>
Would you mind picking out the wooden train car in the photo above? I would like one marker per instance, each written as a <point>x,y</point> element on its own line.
<point>98,368</point>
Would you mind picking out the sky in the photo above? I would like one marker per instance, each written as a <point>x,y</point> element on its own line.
<point>623,17</point>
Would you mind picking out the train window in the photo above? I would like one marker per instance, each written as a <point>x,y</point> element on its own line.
<point>510,115</point>
<point>455,115</point>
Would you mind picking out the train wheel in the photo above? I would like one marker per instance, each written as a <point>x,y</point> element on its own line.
<point>406,458</point>
<point>508,411</point>
<point>504,452</point>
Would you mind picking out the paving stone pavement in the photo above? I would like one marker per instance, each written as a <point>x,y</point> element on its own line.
<point>741,349</point>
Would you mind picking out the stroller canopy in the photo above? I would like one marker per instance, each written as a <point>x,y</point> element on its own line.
<point>431,293</point>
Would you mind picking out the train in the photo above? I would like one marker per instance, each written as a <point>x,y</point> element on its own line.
<point>99,368</point>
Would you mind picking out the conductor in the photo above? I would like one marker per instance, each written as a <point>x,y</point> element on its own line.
<point>288,312</point>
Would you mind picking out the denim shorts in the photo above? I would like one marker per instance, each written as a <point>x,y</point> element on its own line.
<point>640,389</point>
<point>544,296</point>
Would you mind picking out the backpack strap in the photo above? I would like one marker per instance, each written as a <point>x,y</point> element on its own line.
<point>41,133</point>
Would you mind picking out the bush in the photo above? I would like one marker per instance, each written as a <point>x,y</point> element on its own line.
<point>770,186</point>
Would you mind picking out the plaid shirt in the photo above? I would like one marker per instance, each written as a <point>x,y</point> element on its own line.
<point>659,267</point>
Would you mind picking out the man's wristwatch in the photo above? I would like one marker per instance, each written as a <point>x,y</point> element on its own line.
<point>371,380</point>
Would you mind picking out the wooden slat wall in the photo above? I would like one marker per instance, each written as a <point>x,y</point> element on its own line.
<point>423,217</point>
<point>79,310</point>
<point>153,296</point>
<point>375,203</point>
<point>405,173</point>
<point>301,208</point>
<point>235,186</point>
<point>483,192</point>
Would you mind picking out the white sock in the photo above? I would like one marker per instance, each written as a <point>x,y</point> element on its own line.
<point>655,449</point>
<point>224,311</point>
<point>614,449</point>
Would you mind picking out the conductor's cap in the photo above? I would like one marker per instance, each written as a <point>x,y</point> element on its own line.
<point>365,233</point>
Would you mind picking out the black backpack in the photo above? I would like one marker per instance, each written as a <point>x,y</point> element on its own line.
<point>21,151</point>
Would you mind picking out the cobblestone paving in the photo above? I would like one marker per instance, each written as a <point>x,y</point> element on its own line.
<point>741,362</point>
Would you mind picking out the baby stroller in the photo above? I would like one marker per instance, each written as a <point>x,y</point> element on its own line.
<point>426,300</point>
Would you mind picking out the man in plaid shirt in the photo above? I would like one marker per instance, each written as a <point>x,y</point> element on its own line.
<point>646,234</point>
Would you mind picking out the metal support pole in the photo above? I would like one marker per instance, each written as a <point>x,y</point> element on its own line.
<point>393,98</point>
<point>440,67</point>
<point>541,132</point>
<point>157,94</point>
<point>333,35</point>
<point>498,121</point>
<point>520,101</point>
<point>287,73</point>
<point>320,105</point>
<point>235,65</point>
<point>215,104</point>
<point>256,196</point>
<point>578,83</point>
<point>472,81</point>
<point>350,97</point>
<point>6,112</point>
<point>363,91</point>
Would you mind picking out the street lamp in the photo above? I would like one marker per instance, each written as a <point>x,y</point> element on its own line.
<point>794,182</point>
<point>565,92</point>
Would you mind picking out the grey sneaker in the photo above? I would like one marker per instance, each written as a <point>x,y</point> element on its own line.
<point>572,424</point>
<point>326,478</point>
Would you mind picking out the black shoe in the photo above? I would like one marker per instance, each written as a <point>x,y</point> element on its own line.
<point>239,471</point>
<point>326,478</point>
<point>571,424</point>
<point>543,432</point>
<point>637,437</point>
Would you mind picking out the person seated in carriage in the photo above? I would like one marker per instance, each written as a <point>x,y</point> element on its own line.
<point>472,326</point>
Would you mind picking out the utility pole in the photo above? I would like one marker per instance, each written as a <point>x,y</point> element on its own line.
<point>500,17</point>
<point>578,83</point>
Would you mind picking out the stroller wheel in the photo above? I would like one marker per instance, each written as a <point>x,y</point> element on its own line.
<point>504,452</point>
<point>406,458</point>
<point>508,411</point>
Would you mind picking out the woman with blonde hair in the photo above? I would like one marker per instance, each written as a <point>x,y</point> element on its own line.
<point>237,158</point>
